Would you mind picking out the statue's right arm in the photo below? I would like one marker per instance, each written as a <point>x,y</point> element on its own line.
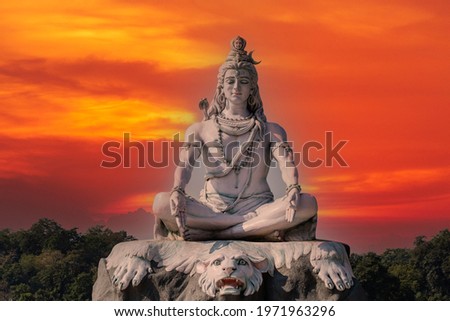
<point>189,153</point>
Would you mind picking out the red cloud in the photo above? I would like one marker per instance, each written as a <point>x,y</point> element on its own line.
<point>67,183</point>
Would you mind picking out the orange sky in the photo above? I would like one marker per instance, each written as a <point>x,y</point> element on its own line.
<point>75,75</point>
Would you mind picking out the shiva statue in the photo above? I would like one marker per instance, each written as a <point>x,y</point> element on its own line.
<point>237,145</point>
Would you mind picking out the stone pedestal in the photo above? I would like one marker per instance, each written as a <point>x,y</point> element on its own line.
<point>227,270</point>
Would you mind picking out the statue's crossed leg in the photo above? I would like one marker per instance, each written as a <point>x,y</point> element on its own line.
<point>202,223</point>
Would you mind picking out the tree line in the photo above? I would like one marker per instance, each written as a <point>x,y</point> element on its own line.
<point>420,273</point>
<point>48,262</point>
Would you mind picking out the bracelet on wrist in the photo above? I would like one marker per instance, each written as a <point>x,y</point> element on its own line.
<point>293,186</point>
<point>178,189</point>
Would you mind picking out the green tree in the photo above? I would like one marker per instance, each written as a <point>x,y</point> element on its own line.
<point>375,277</point>
<point>420,273</point>
<point>398,264</point>
<point>432,260</point>
<point>98,242</point>
<point>48,262</point>
<point>5,241</point>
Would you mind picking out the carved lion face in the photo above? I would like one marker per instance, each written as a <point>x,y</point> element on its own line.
<point>230,272</point>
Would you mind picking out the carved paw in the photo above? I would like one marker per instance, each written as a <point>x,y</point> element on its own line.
<point>133,269</point>
<point>333,274</point>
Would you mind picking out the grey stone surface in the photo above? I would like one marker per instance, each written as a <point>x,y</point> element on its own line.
<point>103,289</point>
<point>291,271</point>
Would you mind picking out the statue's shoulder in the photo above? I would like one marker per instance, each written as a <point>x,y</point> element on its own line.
<point>195,130</point>
<point>200,129</point>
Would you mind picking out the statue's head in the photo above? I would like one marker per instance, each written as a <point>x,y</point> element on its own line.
<point>243,63</point>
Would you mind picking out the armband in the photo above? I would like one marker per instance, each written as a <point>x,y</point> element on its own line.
<point>178,189</point>
<point>292,186</point>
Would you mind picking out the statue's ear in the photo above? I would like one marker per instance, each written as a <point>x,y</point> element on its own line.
<point>201,266</point>
<point>263,265</point>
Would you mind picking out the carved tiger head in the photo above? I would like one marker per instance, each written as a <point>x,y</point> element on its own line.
<point>231,272</point>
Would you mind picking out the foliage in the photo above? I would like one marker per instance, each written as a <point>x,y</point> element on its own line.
<point>48,262</point>
<point>421,273</point>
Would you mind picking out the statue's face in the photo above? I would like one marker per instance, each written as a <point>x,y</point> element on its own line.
<point>238,44</point>
<point>237,86</point>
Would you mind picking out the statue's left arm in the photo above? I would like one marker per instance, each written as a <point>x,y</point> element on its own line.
<point>283,154</point>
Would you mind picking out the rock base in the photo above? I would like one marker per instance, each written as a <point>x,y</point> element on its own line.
<point>177,270</point>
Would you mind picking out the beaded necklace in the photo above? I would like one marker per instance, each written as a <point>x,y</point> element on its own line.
<point>235,127</point>
<point>241,159</point>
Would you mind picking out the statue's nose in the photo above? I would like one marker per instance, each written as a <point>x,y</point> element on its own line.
<point>229,269</point>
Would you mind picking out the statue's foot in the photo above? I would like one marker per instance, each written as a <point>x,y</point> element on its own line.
<point>276,236</point>
<point>191,234</point>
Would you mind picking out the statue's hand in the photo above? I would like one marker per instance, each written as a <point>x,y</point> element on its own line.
<point>133,269</point>
<point>293,199</point>
<point>178,209</point>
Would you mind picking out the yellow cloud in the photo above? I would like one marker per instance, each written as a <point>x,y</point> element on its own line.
<point>111,118</point>
<point>369,18</point>
<point>90,117</point>
<point>77,29</point>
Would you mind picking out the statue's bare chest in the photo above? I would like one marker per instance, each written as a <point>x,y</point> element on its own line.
<point>220,144</point>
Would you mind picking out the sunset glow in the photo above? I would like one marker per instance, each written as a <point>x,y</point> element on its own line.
<point>78,74</point>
